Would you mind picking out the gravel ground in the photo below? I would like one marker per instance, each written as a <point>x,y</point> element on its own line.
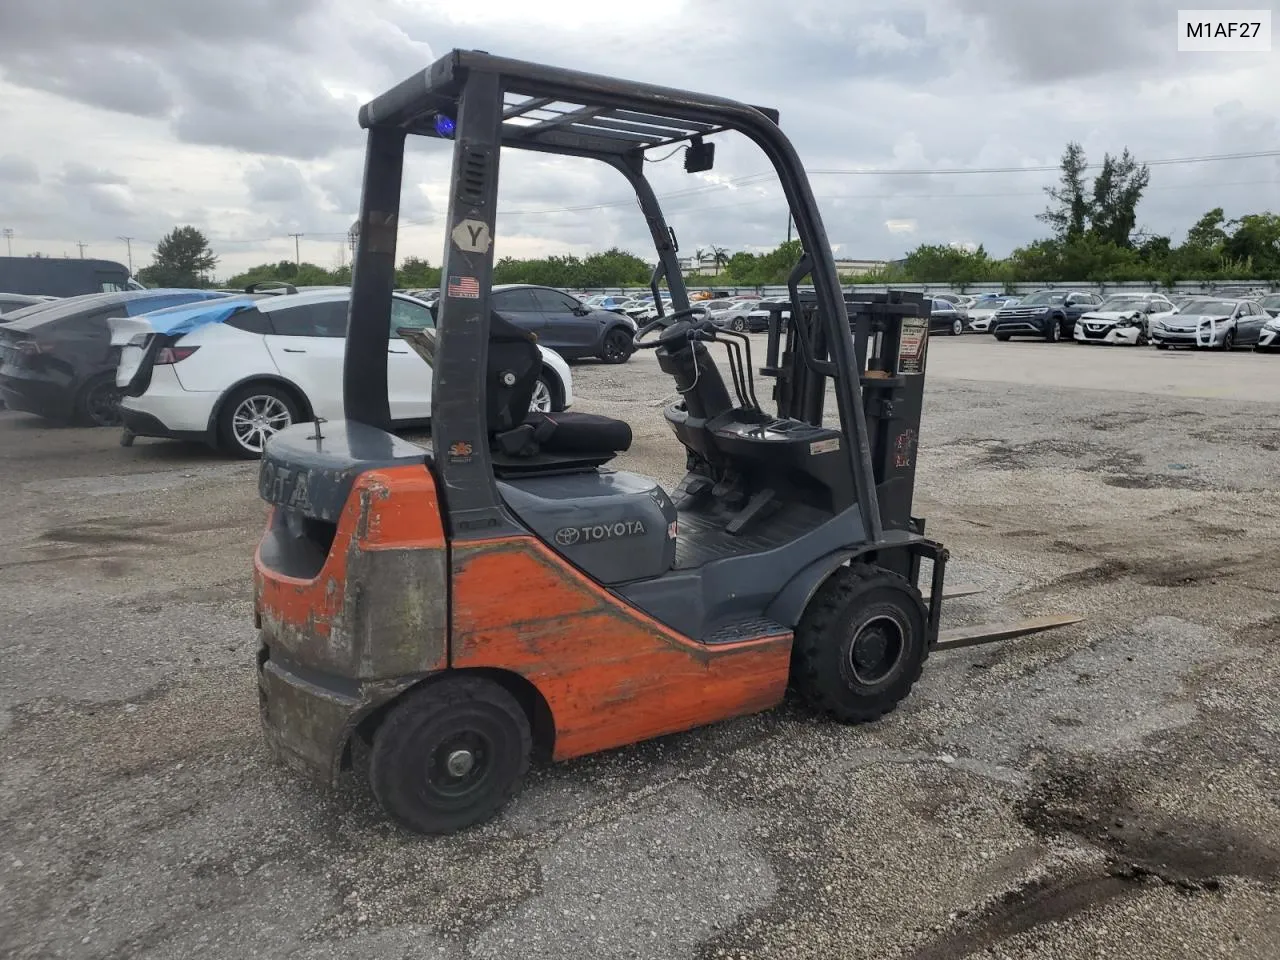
<point>1107,789</point>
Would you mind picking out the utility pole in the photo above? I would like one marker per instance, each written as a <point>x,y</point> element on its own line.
<point>128,243</point>
<point>788,226</point>
<point>81,244</point>
<point>8,239</point>
<point>297,256</point>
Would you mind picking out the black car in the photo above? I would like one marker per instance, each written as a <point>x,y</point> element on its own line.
<point>1046,315</point>
<point>56,358</point>
<point>945,318</point>
<point>9,302</point>
<point>563,323</point>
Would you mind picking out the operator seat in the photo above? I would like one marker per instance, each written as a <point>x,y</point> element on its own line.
<point>561,439</point>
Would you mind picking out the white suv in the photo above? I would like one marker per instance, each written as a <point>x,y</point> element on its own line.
<point>237,372</point>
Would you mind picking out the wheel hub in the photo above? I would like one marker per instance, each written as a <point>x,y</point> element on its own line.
<point>876,650</point>
<point>460,762</point>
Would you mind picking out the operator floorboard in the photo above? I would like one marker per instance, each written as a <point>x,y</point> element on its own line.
<point>701,539</point>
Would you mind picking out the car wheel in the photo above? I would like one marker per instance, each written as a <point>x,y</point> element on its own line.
<point>544,396</point>
<point>617,346</point>
<point>739,324</point>
<point>99,403</point>
<point>1002,337</point>
<point>1228,341</point>
<point>957,327</point>
<point>450,755</point>
<point>1054,333</point>
<point>252,415</point>
<point>861,644</point>
<point>1162,346</point>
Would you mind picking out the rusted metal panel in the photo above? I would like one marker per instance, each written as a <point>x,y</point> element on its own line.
<point>610,674</point>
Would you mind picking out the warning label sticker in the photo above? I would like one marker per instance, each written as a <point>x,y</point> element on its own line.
<point>911,348</point>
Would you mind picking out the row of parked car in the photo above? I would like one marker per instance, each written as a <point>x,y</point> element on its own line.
<point>1139,319</point>
<point>231,368</point>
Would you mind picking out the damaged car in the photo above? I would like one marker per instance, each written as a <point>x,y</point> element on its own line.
<point>1123,319</point>
<point>1211,323</point>
<point>57,360</point>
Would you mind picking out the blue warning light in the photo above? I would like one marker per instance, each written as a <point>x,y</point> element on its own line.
<point>444,125</point>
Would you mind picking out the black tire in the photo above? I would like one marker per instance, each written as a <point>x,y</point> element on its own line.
<point>861,644</point>
<point>409,764</point>
<point>1228,341</point>
<point>1002,337</point>
<point>739,324</point>
<point>272,398</point>
<point>617,346</point>
<point>1054,333</point>
<point>98,403</point>
<point>1162,346</point>
<point>957,327</point>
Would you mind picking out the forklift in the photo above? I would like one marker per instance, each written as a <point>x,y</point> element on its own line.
<point>447,613</point>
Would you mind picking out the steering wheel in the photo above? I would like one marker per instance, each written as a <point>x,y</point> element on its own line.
<point>677,326</point>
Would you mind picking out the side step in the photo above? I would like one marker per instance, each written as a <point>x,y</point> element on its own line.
<point>978,634</point>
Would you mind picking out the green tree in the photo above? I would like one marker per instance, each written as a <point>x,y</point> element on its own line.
<point>719,257</point>
<point>416,273</point>
<point>1256,241</point>
<point>1069,217</point>
<point>183,258</point>
<point>1207,233</point>
<point>1117,189</point>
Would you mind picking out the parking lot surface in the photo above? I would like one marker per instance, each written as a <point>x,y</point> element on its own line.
<point>1107,789</point>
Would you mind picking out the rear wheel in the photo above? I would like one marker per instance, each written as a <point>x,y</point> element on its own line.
<point>99,402</point>
<point>544,395</point>
<point>617,346</point>
<point>861,644</point>
<point>252,415</point>
<point>450,755</point>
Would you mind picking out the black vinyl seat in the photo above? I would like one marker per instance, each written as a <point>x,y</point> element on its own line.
<point>524,441</point>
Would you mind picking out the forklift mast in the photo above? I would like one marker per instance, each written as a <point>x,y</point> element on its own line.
<point>484,104</point>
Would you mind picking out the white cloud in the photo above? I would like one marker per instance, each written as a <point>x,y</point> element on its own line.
<point>127,120</point>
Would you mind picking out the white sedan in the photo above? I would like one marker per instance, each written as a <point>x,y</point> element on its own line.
<point>235,373</point>
<point>1123,319</point>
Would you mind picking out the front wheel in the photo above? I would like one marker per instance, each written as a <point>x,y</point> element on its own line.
<point>1228,341</point>
<point>1002,337</point>
<point>861,644</point>
<point>252,415</point>
<point>450,755</point>
<point>617,347</point>
<point>1054,333</point>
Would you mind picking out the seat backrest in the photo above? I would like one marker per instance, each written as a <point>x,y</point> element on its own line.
<point>514,365</point>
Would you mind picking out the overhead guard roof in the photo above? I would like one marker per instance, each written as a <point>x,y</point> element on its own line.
<point>549,108</point>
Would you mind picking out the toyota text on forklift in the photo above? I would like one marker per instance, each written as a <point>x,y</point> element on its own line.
<point>507,594</point>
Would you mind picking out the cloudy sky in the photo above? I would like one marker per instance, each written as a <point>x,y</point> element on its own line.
<point>239,117</point>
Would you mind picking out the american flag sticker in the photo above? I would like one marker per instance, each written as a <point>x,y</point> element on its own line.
<point>463,288</point>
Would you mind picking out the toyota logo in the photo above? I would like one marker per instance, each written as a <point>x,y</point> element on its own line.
<point>567,536</point>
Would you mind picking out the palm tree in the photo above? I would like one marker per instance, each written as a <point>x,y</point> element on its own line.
<point>720,256</point>
<point>699,254</point>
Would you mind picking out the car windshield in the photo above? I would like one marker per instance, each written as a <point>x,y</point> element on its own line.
<point>1269,302</point>
<point>1122,303</point>
<point>1039,299</point>
<point>1209,307</point>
